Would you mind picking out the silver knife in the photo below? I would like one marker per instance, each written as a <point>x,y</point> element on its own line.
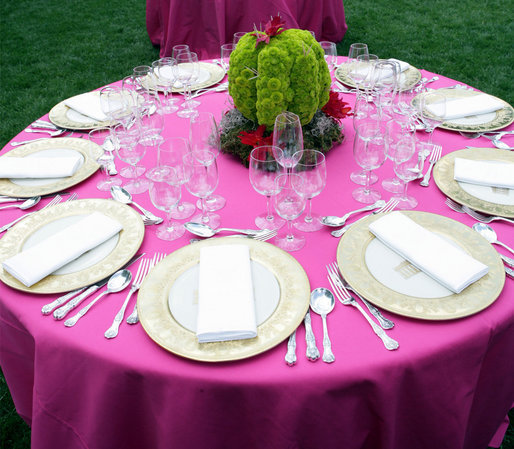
<point>82,293</point>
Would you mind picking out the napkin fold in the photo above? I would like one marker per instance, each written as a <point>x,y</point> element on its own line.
<point>87,104</point>
<point>40,167</point>
<point>447,264</point>
<point>485,173</point>
<point>467,106</point>
<point>35,263</point>
<point>226,309</point>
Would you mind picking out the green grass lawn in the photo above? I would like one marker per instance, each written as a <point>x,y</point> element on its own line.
<point>52,50</point>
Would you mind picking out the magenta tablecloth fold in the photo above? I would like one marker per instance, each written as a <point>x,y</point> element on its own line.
<point>206,25</point>
<point>449,385</point>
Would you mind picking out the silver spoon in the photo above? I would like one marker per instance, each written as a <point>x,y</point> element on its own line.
<point>117,282</point>
<point>25,205</point>
<point>331,220</point>
<point>500,144</point>
<point>322,302</point>
<point>488,233</point>
<point>48,131</point>
<point>123,196</point>
<point>206,231</point>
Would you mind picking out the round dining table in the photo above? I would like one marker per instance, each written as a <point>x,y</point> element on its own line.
<point>448,385</point>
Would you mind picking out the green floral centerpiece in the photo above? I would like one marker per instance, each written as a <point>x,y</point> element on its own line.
<point>280,70</point>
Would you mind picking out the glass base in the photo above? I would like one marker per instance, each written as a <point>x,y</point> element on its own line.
<point>263,222</point>
<point>170,109</point>
<point>187,113</point>
<point>366,196</point>
<point>176,231</point>
<point>406,202</point>
<point>212,220</point>
<point>212,203</point>
<point>183,210</point>
<point>312,225</point>
<point>191,104</point>
<point>105,184</point>
<point>393,185</point>
<point>127,172</point>
<point>359,177</point>
<point>135,187</point>
<point>290,243</point>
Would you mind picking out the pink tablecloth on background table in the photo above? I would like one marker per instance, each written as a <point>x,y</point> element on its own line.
<point>449,385</point>
<point>206,25</point>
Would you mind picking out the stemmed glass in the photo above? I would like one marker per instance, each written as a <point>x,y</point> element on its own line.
<point>130,150</point>
<point>164,74</point>
<point>408,168</point>
<point>165,194</point>
<point>330,53</point>
<point>385,81</point>
<point>288,137</point>
<point>312,169</point>
<point>141,75</point>
<point>289,202</point>
<point>237,36</point>
<point>354,52</point>
<point>102,138</point>
<point>179,49</point>
<point>432,109</point>
<point>204,134</point>
<point>226,50</point>
<point>187,68</point>
<point>369,153</point>
<point>263,170</point>
<point>201,171</point>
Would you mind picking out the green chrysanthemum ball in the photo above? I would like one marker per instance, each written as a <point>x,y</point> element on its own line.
<point>287,74</point>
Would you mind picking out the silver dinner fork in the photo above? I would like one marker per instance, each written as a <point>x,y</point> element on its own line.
<point>263,236</point>
<point>142,271</point>
<point>346,299</point>
<point>133,318</point>
<point>55,200</point>
<point>435,155</point>
<point>461,208</point>
<point>388,207</point>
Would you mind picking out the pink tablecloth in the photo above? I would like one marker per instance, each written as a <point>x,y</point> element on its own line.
<point>449,385</point>
<point>205,25</point>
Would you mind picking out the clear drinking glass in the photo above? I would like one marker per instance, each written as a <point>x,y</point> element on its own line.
<point>202,179</point>
<point>288,136</point>
<point>165,194</point>
<point>408,168</point>
<point>289,202</point>
<point>311,167</point>
<point>432,109</point>
<point>355,51</point>
<point>102,138</point>
<point>238,36</point>
<point>226,50</point>
<point>330,53</point>
<point>164,71</point>
<point>130,150</point>
<point>187,67</point>
<point>179,49</point>
<point>263,170</point>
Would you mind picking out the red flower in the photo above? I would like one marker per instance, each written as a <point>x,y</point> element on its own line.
<point>336,107</point>
<point>272,28</point>
<point>255,138</point>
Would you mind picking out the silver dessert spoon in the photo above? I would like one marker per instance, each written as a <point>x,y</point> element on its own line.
<point>490,235</point>
<point>331,220</point>
<point>203,230</point>
<point>123,196</point>
<point>25,205</point>
<point>322,302</point>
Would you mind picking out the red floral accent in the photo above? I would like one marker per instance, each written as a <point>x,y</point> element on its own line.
<point>273,28</point>
<point>336,107</point>
<point>255,138</point>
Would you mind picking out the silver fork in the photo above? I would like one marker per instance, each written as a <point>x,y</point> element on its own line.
<point>388,207</point>
<point>262,236</point>
<point>453,205</point>
<point>384,322</point>
<point>133,318</point>
<point>346,299</point>
<point>24,142</point>
<point>435,155</point>
<point>484,218</point>
<point>142,271</point>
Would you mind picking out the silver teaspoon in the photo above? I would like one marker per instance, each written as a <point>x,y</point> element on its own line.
<point>490,235</point>
<point>25,205</point>
<point>123,196</point>
<point>322,302</point>
<point>331,220</point>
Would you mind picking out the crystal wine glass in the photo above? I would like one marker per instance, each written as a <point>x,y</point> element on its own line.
<point>102,138</point>
<point>408,168</point>
<point>130,150</point>
<point>355,50</point>
<point>288,137</point>
<point>187,67</point>
<point>226,51</point>
<point>311,167</point>
<point>164,74</point>
<point>263,170</point>
<point>289,202</point>
<point>432,109</point>
<point>330,53</point>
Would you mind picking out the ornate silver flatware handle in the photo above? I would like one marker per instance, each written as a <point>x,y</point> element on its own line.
<point>328,355</point>
<point>389,343</point>
<point>61,312</point>
<point>115,326</point>
<point>290,357</point>
<point>426,178</point>
<point>383,321</point>
<point>47,308</point>
<point>312,351</point>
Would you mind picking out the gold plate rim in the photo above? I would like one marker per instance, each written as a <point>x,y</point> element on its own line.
<point>473,299</point>
<point>163,329</point>
<point>129,242</point>
<point>443,177</point>
<point>88,168</point>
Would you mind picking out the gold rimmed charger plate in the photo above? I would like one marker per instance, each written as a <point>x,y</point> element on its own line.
<point>129,241</point>
<point>165,330</point>
<point>59,115</point>
<point>476,297</point>
<point>412,76</point>
<point>83,146</point>
<point>443,176</point>
<point>503,117</point>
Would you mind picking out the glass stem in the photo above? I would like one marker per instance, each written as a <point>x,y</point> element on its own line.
<point>168,220</point>
<point>405,184</point>
<point>308,217</point>
<point>205,217</point>
<point>290,235</point>
<point>368,181</point>
<point>269,214</point>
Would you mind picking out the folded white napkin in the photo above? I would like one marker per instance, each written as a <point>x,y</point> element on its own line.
<point>447,264</point>
<point>87,104</point>
<point>37,262</point>
<point>467,106</point>
<point>40,167</point>
<point>364,70</point>
<point>226,309</point>
<point>485,173</point>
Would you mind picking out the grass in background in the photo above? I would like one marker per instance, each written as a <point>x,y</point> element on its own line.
<point>52,50</point>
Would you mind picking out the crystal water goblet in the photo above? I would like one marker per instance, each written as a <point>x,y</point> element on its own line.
<point>179,49</point>
<point>101,137</point>
<point>330,54</point>
<point>289,203</point>
<point>164,71</point>
<point>187,67</point>
<point>130,150</point>
<point>237,36</point>
<point>355,50</point>
<point>288,137</point>
<point>263,170</point>
<point>432,109</point>
<point>202,179</point>
<point>311,167</point>
<point>165,194</point>
<point>226,50</point>
<point>408,168</point>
